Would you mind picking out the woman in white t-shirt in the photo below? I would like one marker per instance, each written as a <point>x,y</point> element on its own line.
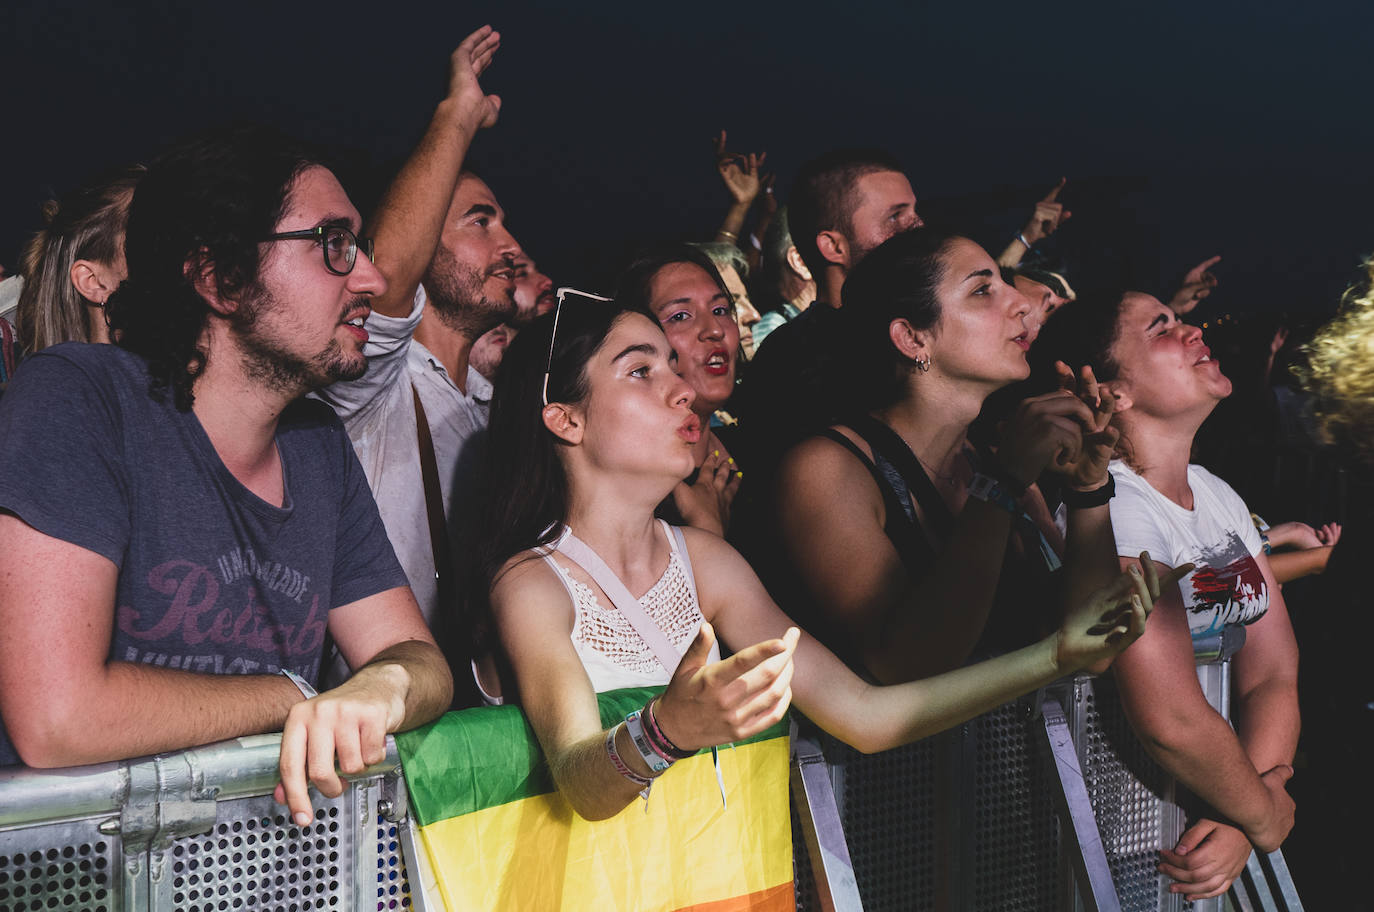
<point>591,427</point>
<point>1166,384</point>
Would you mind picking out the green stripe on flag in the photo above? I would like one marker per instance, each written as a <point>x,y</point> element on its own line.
<point>481,758</point>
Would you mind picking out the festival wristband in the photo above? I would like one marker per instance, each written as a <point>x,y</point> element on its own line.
<point>635,727</point>
<point>620,766</point>
<point>990,490</point>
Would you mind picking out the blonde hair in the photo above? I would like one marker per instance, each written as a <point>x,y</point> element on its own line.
<point>87,224</point>
<point>1340,369</point>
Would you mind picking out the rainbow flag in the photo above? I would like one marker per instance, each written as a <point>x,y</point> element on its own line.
<point>497,834</point>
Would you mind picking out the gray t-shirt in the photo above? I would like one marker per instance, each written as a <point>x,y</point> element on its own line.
<point>212,579</point>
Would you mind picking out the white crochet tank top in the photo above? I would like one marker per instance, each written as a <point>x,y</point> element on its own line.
<point>611,650</point>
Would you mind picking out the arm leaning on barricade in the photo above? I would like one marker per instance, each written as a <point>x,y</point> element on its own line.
<point>404,684</point>
<point>1177,726</point>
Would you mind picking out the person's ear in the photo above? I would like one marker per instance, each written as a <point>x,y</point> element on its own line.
<point>201,271</point>
<point>1121,391</point>
<point>911,342</point>
<point>797,264</point>
<point>564,422</point>
<point>93,281</point>
<point>834,246</point>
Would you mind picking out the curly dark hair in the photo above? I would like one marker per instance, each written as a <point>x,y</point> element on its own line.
<point>205,204</point>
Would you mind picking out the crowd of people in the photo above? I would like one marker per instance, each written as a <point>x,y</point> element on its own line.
<point>261,472</point>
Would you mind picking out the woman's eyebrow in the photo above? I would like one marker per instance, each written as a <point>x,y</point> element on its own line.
<point>643,348</point>
<point>1159,318</point>
<point>982,273</point>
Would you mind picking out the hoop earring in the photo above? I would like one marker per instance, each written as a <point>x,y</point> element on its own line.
<point>923,364</point>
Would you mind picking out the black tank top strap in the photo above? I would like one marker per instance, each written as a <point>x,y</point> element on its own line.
<point>893,449</point>
<point>900,526</point>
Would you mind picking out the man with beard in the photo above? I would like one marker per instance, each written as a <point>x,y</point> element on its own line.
<point>534,297</point>
<point>179,529</point>
<point>418,416</point>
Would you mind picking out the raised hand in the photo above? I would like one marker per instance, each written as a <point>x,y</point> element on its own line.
<point>708,703</point>
<point>1089,470</point>
<point>466,66</point>
<point>1045,432</point>
<point>1113,617</point>
<point>1049,214</point>
<point>1197,284</point>
<point>739,173</point>
<point>1209,856</point>
<point>705,503</point>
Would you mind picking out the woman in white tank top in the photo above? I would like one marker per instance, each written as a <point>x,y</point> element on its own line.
<point>590,428</point>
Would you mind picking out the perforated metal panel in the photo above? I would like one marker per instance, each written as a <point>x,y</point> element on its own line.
<point>393,884</point>
<point>888,805</point>
<point>58,866</point>
<point>1132,800</point>
<point>1015,861</point>
<point>256,858</point>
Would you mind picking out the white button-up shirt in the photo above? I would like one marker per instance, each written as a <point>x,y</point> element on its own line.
<point>379,413</point>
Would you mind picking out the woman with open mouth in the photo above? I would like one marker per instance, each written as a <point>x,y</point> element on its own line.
<point>680,289</point>
<point>591,427</point>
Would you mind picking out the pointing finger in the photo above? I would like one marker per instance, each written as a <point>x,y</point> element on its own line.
<point>1054,194</point>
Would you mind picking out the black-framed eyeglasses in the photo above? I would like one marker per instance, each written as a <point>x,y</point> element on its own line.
<point>553,336</point>
<point>340,245</point>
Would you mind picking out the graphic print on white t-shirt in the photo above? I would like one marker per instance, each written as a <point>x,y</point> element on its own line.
<point>1227,587</point>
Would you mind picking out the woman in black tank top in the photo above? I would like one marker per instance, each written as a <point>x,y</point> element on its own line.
<point>903,547</point>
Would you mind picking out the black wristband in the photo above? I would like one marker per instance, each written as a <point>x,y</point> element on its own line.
<point>1083,500</point>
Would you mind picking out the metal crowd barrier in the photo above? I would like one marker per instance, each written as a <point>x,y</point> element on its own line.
<point>1046,803</point>
<point>198,831</point>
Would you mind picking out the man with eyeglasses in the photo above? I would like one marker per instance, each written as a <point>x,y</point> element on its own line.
<point>180,531</point>
<point>418,416</point>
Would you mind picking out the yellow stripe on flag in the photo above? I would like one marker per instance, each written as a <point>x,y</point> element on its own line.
<point>683,852</point>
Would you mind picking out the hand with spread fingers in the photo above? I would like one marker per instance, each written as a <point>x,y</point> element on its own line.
<point>466,66</point>
<point>1112,617</point>
<point>739,172</point>
<point>709,703</point>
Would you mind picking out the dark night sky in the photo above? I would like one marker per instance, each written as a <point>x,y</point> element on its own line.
<point>1239,128</point>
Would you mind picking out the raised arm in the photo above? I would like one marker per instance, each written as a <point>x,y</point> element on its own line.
<point>1045,220</point>
<point>407,223</point>
<point>1171,716</point>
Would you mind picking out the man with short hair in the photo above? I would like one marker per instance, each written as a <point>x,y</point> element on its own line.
<point>179,529</point>
<point>843,205</point>
<point>534,297</point>
<point>418,417</point>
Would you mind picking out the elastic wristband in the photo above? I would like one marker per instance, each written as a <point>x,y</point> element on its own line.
<point>1022,238</point>
<point>636,729</point>
<point>620,765</point>
<point>989,490</point>
<point>301,683</point>
<point>660,741</point>
<point>1084,500</point>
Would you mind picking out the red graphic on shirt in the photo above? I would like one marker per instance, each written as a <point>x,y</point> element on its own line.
<point>1233,592</point>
